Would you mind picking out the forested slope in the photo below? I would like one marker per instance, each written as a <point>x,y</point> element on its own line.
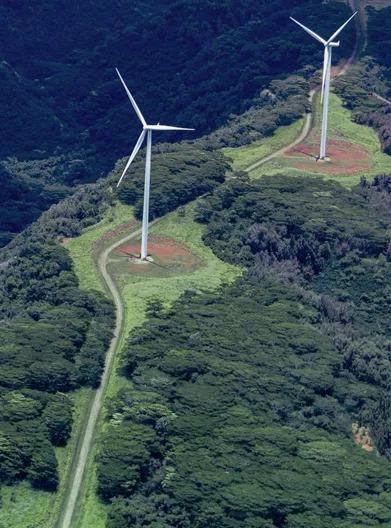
<point>65,116</point>
<point>54,339</point>
<point>371,78</point>
<point>243,403</point>
<point>54,335</point>
<point>222,427</point>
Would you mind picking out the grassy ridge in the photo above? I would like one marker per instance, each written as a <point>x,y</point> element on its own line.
<point>342,127</point>
<point>243,157</point>
<point>136,291</point>
<point>82,247</point>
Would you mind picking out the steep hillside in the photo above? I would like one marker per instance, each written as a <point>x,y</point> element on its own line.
<point>247,385</point>
<point>194,65</point>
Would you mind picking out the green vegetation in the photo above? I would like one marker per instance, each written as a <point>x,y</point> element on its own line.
<point>372,75</point>
<point>227,427</point>
<point>244,157</point>
<point>23,506</point>
<point>138,292</point>
<point>341,127</point>
<point>83,248</point>
<point>66,219</point>
<point>54,338</point>
<point>241,402</point>
<point>232,401</point>
<point>64,110</point>
<point>281,104</point>
<point>302,219</point>
<point>336,240</point>
<point>180,175</point>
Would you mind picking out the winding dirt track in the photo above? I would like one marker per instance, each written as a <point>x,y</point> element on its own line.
<point>303,134</point>
<point>85,444</point>
<point>86,440</point>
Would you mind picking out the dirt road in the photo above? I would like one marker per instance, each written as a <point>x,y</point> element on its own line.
<point>84,448</point>
<point>303,134</point>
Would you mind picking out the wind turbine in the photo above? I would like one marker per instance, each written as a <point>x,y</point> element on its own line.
<point>328,48</point>
<point>147,131</point>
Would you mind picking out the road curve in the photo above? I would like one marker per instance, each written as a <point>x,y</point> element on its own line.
<point>74,485</point>
<point>303,134</point>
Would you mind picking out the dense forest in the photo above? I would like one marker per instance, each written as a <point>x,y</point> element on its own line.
<point>55,336</point>
<point>228,427</point>
<point>66,118</point>
<point>54,339</point>
<point>182,173</point>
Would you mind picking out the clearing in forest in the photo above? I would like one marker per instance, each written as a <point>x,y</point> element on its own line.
<point>181,262</point>
<point>354,151</point>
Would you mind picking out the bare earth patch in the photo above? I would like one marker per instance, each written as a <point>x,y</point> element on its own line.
<point>362,437</point>
<point>168,257</point>
<point>345,158</point>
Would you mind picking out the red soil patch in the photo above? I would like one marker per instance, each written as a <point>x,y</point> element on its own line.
<point>168,254</point>
<point>160,247</point>
<point>118,230</point>
<point>345,157</point>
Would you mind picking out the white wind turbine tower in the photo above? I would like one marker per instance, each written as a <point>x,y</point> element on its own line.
<point>328,48</point>
<point>147,131</point>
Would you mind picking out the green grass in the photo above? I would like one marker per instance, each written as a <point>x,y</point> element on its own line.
<point>136,290</point>
<point>94,512</point>
<point>341,127</point>
<point>243,157</point>
<point>24,507</point>
<point>82,247</point>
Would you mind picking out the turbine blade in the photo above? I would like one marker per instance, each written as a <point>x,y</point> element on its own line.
<point>325,70</point>
<point>133,154</point>
<point>341,28</point>
<point>134,104</point>
<point>309,31</point>
<point>166,127</point>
